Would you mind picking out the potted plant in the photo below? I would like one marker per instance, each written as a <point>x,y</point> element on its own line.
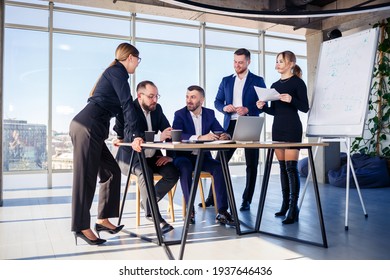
<point>376,136</point>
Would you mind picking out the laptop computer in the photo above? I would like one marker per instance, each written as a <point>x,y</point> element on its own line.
<point>248,129</point>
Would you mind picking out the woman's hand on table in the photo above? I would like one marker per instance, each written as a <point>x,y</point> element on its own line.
<point>136,144</point>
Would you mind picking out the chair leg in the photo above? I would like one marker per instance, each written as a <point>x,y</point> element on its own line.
<point>138,205</point>
<point>170,209</point>
<point>214,195</point>
<point>200,185</point>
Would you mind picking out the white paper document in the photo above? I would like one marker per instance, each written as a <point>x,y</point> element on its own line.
<point>267,94</point>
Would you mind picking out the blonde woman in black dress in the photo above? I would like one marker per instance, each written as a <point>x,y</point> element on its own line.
<point>287,127</point>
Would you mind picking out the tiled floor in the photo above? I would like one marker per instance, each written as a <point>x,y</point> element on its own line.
<point>35,225</point>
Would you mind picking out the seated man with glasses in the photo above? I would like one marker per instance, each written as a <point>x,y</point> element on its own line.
<point>150,118</point>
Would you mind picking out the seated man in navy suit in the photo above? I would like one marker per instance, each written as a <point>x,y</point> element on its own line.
<point>150,118</point>
<point>197,122</point>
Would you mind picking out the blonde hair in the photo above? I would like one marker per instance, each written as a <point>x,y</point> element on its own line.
<point>297,71</point>
<point>122,52</point>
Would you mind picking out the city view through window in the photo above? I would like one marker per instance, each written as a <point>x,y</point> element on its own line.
<point>48,75</point>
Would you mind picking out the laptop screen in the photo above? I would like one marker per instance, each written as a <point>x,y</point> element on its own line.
<point>248,129</point>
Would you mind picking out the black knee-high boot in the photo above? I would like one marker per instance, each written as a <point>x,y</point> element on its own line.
<point>293,180</point>
<point>285,189</point>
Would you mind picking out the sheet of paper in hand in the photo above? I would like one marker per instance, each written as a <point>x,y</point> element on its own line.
<point>267,94</point>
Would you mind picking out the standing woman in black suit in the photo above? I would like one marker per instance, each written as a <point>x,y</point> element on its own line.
<point>287,127</point>
<point>88,130</point>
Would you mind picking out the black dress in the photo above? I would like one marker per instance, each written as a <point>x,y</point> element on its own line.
<point>287,126</point>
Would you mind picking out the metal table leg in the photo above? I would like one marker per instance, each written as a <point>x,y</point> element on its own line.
<point>319,209</point>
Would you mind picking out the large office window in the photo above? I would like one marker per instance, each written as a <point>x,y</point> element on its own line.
<point>83,46</point>
<point>25,100</point>
<point>219,63</point>
<point>229,39</point>
<point>78,62</point>
<point>26,16</point>
<point>278,44</point>
<point>66,20</point>
<point>172,69</point>
<point>164,32</point>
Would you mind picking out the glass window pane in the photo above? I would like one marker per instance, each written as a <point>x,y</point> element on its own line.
<point>90,9</point>
<point>25,100</point>
<point>91,23</point>
<point>277,45</point>
<point>26,16</point>
<point>78,62</point>
<point>230,27</point>
<point>173,69</point>
<point>227,39</point>
<point>168,19</point>
<point>29,1</point>
<point>77,66</point>
<point>219,64</point>
<point>285,35</point>
<point>271,75</point>
<point>167,32</point>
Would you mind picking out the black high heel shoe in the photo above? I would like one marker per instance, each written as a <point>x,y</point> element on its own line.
<point>99,228</point>
<point>81,235</point>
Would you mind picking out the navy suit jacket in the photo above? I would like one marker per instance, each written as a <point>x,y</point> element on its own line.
<point>159,123</point>
<point>249,97</point>
<point>183,120</point>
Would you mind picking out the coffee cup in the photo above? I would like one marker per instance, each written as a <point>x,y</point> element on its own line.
<point>149,136</point>
<point>176,136</point>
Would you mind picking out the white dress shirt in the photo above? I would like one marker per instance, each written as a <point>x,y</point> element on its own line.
<point>237,93</point>
<point>197,119</point>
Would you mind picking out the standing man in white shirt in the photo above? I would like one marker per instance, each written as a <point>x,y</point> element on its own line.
<point>237,97</point>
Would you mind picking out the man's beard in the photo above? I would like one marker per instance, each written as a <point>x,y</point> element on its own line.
<point>149,108</point>
<point>240,71</point>
<point>193,107</point>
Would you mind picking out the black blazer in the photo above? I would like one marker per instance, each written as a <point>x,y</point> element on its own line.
<point>112,93</point>
<point>159,123</point>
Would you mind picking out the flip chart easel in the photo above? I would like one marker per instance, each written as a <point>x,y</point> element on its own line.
<point>339,105</point>
<point>347,141</point>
